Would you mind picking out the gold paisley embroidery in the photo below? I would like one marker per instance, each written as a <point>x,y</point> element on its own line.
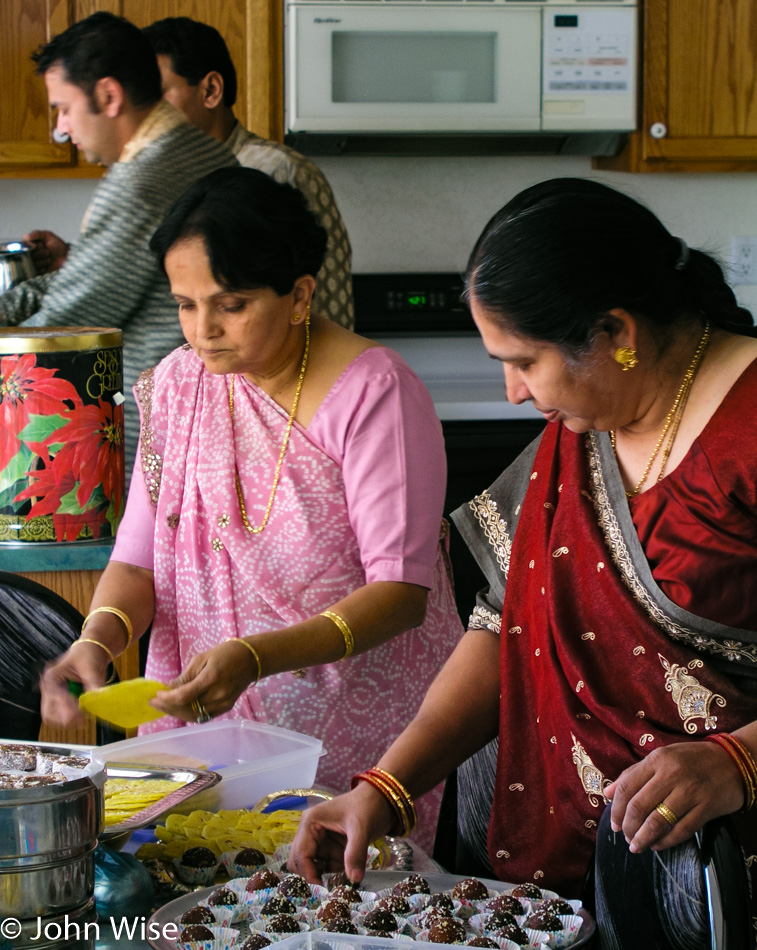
<point>590,823</point>
<point>553,740</point>
<point>551,810</point>
<point>152,463</point>
<point>558,552</point>
<point>503,854</point>
<point>549,505</point>
<point>589,635</point>
<point>640,714</point>
<point>646,738</point>
<point>593,781</point>
<point>583,716</point>
<point>600,566</point>
<point>484,619</point>
<point>639,651</point>
<point>531,563</point>
<point>559,487</point>
<point>494,527</point>
<point>580,685</point>
<point>537,652</point>
<point>517,787</point>
<point>543,591</point>
<point>751,859</point>
<point>538,875</point>
<point>734,650</point>
<point>515,630</point>
<point>533,475</point>
<point>690,696</point>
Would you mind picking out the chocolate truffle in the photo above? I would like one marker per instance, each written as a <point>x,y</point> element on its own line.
<point>498,919</point>
<point>380,919</point>
<point>333,909</point>
<point>223,897</point>
<point>339,925</point>
<point>506,902</point>
<point>558,905</point>
<point>430,914</point>
<point>446,930</point>
<point>440,900</point>
<point>482,942</point>
<point>278,904</point>
<point>261,880</point>
<point>394,904</point>
<point>347,893</point>
<point>196,933</point>
<point>255,942</point>
<point>513,932</point>
<point>199,858</point>
<point>197,915</point>
<point>544,920</point>
<point>249,858</point>
<point>470,889</point>
<point>294,886</point>
<point>527,890</point>
<point>378,933</point>
<point>282,924</point>
<point>412,884</point>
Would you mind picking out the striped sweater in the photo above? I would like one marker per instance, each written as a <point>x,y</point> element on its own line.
<point>110,278</point>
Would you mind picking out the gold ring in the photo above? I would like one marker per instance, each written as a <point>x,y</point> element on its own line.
<point>200,711</point>
<point>667,813</point>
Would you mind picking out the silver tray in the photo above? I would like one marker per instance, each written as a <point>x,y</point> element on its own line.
<point>194,781</point>
<point>373,881</point>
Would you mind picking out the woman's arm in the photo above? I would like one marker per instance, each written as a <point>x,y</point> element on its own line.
<point>458,717</point>
<point>129,589</point>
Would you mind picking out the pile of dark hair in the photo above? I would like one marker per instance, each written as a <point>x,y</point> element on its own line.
<point>563,253</point>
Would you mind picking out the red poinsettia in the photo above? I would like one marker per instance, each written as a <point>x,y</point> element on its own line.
<point>26,388</point>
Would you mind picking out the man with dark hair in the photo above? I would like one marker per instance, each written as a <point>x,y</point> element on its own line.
<point>199,78</point>
<point>102,77</point>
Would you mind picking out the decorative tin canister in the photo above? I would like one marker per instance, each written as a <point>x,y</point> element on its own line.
<point>61,434</point>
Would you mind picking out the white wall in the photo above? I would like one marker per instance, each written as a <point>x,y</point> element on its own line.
<point>407,214</point>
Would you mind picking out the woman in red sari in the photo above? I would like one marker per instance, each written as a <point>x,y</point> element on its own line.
<point>618,632</point>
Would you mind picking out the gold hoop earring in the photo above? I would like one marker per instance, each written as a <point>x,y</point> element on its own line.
<point>627,358</point>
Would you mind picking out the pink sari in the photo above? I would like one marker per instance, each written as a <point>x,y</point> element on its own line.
<point>215,580</point>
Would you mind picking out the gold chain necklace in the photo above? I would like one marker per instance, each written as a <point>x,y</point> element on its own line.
<point>673,418</point>
<point>253,529</point>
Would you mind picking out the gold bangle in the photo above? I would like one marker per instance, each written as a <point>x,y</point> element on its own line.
<point>118,613</point>
<point>400,789</point>
<point>344,629</point>
<point>390,797</point>
<point>102,647</point>
<point>255,655</point>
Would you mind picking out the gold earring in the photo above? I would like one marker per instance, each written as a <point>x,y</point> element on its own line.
<point>627,358</point>
<point>296,317</point>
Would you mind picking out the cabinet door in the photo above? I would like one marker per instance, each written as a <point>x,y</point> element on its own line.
<point>26,120</point>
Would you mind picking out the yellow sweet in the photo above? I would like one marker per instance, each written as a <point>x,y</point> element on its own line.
<point>125,797</point>
<point>123,704</point>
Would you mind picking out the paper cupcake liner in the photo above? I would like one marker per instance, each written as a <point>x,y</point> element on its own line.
<point>239,870</point>
<point>363,932</point>
<point>195,876</point>
<point>259,924</point>
<point>564,938</point>
<point>224,938</point>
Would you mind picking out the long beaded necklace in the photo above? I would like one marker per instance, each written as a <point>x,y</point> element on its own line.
<point>253,529</point>
<point>673,418</point>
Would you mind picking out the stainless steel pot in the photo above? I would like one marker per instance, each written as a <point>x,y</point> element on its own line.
<point>15,264</point>
<point>47,840</point>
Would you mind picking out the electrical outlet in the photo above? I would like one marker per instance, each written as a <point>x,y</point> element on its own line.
<point>744,260</point>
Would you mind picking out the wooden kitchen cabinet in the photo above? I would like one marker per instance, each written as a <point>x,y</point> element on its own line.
<point>252,30</point>
<point>699,89</point>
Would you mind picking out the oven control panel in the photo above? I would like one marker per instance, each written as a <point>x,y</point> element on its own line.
<point>410,303</point>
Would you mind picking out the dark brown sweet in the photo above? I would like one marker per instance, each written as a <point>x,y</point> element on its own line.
<point>34,781</point>
<point>249,858</point>
<point>498,918</point>
<point>446,930</point>
<point>412,884</point>
<point>16,756</point>
<point>430,914</point>
<point>513,932</point>
<point>195,934</point>
<point>527,890</point>
<point>255,942</point>
<point>334,908</point>
<point>339,925</point>
<point>294,886</point>
<point>282,924</point>
<point>440,900</point>
<point>394,904</point>
<point>261,880</point>
<point>470,889</point>
<point>544,920</point>
<point>73,761</point>
<point>347,893</point>
<point>197,915</point>
<point>558,905</point>
<point>378,933</point>
<point>481,942</point>
<point>278,904</point>
<point>198,858</point>
<point>380,919</point>
<point>223,897</point>
<point>506,902</point>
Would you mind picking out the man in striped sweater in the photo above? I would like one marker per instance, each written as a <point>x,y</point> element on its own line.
<point>102,77</point>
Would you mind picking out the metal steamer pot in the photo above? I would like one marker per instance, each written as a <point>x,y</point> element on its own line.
<point>48,836</point>
<point>15,264</point>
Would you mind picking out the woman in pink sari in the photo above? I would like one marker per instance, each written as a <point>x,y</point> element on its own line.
<point>282,533</point>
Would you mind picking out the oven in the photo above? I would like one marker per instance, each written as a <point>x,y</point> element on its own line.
<point>421,317</point>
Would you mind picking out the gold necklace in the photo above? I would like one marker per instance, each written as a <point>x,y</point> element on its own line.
<point>673,418</point>
<point>253,529</point>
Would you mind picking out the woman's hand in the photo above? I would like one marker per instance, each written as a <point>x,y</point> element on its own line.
<point>335,835</point>
<point>84,663</point>
<point>697,781</point>
<point>49,252</point>
<point>215,680</point>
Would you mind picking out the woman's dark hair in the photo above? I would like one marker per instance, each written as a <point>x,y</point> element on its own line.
<point>257,232</point>
<point>561,254</point>
<point>104,45</point>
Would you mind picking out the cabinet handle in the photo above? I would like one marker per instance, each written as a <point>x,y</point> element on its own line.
<point>658,130</point>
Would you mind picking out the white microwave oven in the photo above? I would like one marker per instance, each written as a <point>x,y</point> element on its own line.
<point>460,66</point>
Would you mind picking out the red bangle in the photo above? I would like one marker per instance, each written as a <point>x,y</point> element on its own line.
<point>743,761</point>
<point>389,795</point>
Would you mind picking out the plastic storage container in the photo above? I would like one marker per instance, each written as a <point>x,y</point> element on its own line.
<point>252,758</point>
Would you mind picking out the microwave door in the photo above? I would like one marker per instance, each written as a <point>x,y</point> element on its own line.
<point>410,70</point>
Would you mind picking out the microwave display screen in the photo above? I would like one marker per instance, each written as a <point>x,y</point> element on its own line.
<point>441,66</point>
<point>566,21</point>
